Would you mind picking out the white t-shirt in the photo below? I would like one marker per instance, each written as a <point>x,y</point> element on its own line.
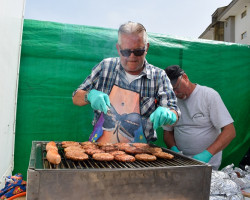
<point>131,77</point>
<point>203,115</point>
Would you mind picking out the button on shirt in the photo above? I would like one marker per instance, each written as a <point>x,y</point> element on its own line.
<point>152,84</point>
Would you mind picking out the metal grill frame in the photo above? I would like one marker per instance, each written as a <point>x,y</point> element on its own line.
<point>131,181</point>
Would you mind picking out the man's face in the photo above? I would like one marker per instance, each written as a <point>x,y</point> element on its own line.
<point>131,63</point>
<point>180,88</point>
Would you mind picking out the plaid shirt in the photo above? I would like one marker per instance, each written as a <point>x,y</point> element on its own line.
<point>152,84</point>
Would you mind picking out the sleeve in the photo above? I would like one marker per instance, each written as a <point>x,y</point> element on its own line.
<point>219,114</point>
<point>167,95</point>
<point>168,128</point>
<point>92,80</point>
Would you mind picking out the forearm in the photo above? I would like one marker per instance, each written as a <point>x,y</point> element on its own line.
<point>78,98</point>
<point>168,137</point>
<point>223,140</point>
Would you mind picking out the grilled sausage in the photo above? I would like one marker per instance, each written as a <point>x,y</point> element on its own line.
<point>53,156</point>
<point>51,145</point>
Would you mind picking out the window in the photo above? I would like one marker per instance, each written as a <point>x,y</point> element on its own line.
<point>243,14</point>
<point>243,35</point>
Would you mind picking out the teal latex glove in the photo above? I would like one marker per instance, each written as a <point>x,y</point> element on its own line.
<point>162,116</point>
<point>99,100</point>
<point>175,149</point>
<point>204,156</point>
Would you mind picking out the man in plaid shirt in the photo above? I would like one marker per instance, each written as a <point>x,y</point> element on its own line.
<point>130,97</point>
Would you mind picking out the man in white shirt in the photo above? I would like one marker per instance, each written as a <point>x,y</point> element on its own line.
<point>205,127</point>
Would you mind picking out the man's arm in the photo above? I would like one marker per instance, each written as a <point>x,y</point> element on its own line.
<point>78,98</point>
<point>98,100</point>
<point>168,137</point>
<point>226,136</point>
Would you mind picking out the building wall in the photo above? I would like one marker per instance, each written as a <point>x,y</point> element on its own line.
<point>11,24</point>
<point>242,25</point>
<point>229,29</point>
<point>233,25</point>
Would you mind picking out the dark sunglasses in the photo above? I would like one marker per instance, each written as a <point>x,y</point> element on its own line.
<point>136,52</point>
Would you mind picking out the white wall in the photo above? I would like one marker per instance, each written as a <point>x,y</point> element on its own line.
<point>11,25</point>
<point>242,25</point>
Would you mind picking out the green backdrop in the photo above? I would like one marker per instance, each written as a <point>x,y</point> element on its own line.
<point>57,57</point>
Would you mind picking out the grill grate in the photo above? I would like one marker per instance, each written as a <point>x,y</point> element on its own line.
<point>178,160</point>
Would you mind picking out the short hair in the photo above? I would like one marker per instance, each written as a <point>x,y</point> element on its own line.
<point>132,28</point>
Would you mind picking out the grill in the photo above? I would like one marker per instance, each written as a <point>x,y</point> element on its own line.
<point>179,178</point>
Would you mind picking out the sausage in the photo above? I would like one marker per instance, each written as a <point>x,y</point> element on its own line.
<point>51,145</point>
<point>53,156</point>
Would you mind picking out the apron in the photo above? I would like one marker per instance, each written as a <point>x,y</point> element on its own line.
<point>123,122</point>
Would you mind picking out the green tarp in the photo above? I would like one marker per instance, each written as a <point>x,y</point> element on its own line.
<point>57,57</point>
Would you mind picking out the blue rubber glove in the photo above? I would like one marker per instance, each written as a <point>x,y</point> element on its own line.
<point>99,100</point>
<point>162,116</point>
<point>204,156</point>
<point>175,149</point>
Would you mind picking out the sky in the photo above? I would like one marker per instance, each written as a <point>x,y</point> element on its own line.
<point>179,18</point>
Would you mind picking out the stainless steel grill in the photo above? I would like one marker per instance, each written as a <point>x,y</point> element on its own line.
<point>179,178</point>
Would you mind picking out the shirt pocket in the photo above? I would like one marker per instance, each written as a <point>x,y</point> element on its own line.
<point>200,119</point>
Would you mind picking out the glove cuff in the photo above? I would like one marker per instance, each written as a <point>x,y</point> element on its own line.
<point>91,93</point>
<point>208,154</point>
<point>175,149</point>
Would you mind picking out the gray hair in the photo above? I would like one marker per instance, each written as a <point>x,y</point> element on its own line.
<point>132,28</point>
